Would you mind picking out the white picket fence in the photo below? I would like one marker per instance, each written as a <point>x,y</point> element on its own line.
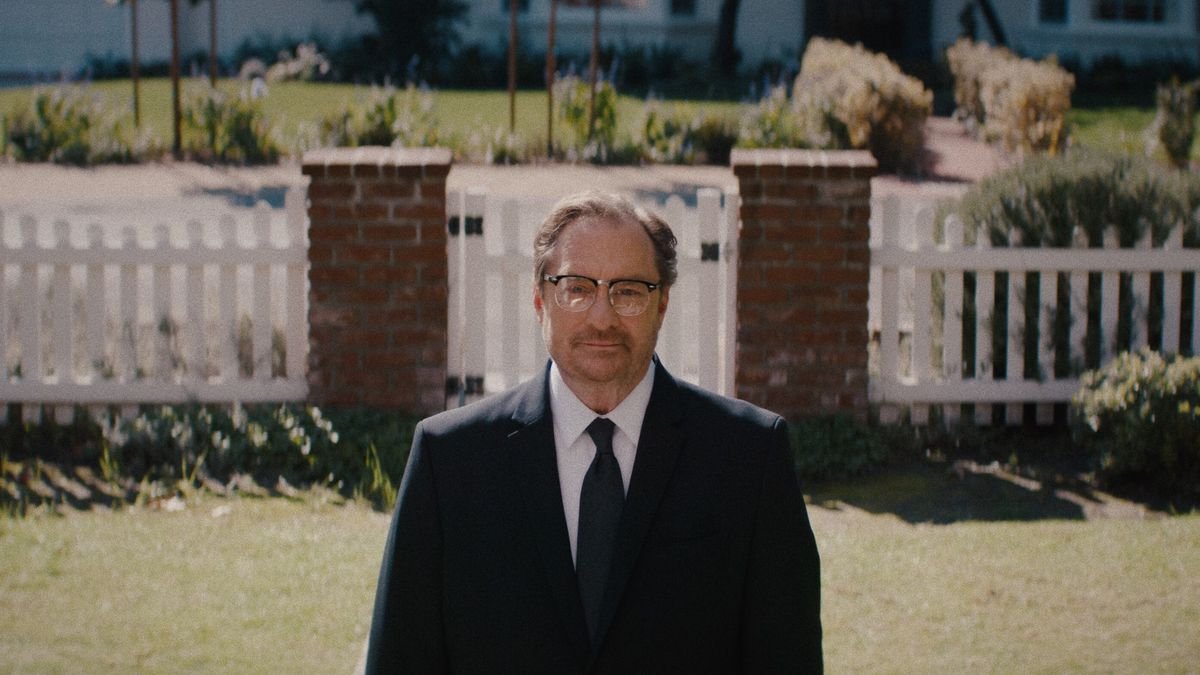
<point>494,338</point>
<point>919,371</point>
<point>208,314</point>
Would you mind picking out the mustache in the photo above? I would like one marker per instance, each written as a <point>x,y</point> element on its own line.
<point>615,336</point>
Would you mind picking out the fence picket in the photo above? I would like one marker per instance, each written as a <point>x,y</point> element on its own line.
<point>1140,315</point>
<point>1172,298</point>
<point>1110,304</point>
<point>1047,310</point>
<point>144,339</point>
<point>1014,358</point>
<point>96,310</point>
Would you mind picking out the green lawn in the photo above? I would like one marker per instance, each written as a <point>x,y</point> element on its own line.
<point>290,104</point>
<point>273,585</point>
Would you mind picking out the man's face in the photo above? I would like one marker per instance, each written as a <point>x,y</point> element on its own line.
<point>598,348</point>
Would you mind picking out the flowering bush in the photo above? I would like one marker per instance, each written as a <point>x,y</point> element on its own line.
<point>1025,104</point>
<point>679,137</point>
<point>968,60</point>
<point>224,128</point>
<point>572,101</point>
<point>66,125</point>
<point>1174,125</point>
<point>390,117</point>
<point>776,123</point>
<point>1141,417</point>
<point>866,100</point>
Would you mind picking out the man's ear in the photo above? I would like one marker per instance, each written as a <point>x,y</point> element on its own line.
<point>538,307</point>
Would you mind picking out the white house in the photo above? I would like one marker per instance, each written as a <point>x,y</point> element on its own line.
<point>47,37</point>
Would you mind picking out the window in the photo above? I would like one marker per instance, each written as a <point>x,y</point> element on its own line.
<point>522,6</point>
<point>1052,11</point>
<point>1134,11</point>
<point>683,7</point>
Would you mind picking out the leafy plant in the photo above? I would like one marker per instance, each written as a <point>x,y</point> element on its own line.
<point>774,123</point>
<point>866,102</point>
<point>1140,415</point>
<point>228,129</point>
<point>389,117</point>
<point>836,446</point>
<point>67,125</point>
<point>591,140</point>
<point>1174,125</point>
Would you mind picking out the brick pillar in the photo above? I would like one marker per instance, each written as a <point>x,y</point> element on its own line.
<point>803,276</point>
<point>378,274</point>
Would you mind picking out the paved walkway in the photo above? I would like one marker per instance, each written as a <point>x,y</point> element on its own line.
<point>169,192</point>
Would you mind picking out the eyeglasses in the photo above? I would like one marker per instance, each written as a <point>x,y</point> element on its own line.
<point>628,297</point>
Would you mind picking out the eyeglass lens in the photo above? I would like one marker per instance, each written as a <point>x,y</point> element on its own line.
<point>576,294</point>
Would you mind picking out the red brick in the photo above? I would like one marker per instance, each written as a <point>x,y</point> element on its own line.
<point>400,232</point>
<point>761,295</point>
<point>433,188</point>
<point>423,252</point>
<point>435,211</point>
<point>324,232</point>
<point>390,189</point>
<point>327,274</point>
<point>767,212</point>
<point>331,190</point>
<point>356,253</point>
<point>790,276</point>
<point>390,274</point>
<point>364,337</point>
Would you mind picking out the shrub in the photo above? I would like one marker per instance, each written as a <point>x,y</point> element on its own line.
<point>836,447</point>
<point>1174,125</point>
<point>867,101</point>
<point>967,61</point>
<point>679,137</point>
<point>1141,417</point>
<point>223,128</point>
<point>66,125</point>
<point>573,101</point>
<point>1046,200</point>
<point>1025,104</point>
<point>390,117</point>
<point>775,123</point>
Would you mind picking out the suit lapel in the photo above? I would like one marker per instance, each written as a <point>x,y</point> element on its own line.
<point>659,443</point>
<point>535,471</point>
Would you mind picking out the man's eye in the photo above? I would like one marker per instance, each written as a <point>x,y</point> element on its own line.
<point>630,291</point>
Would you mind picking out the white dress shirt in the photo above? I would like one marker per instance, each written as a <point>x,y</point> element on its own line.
<point>574,448</point>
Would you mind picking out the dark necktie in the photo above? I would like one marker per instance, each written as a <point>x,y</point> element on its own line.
<point>600,504</point>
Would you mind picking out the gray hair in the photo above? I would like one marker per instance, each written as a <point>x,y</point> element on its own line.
<point>607,206</point>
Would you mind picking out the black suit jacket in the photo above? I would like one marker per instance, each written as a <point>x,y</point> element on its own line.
<point>715,570</point>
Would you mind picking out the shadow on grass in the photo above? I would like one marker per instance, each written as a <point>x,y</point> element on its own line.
<point>949,493</point>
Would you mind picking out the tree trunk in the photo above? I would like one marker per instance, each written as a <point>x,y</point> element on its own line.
<point>512,64</point>
<point>134,65</point>
<point>551,66</point>
<point>593,67</point>
<point>212,42</point>
<point>177,142</point>
<point>725,52</point>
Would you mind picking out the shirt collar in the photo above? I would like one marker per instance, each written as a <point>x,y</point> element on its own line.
<point>572,417</point>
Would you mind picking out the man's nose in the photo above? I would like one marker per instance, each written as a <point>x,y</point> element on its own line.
<point>601,313</point>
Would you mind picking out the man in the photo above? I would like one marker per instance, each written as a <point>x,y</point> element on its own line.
<point>604,517</point>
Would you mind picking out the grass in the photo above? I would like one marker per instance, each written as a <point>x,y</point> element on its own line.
<point>290,105</point>
<point>278,585</point>
<point>273,585</point>
<point>293,105</point>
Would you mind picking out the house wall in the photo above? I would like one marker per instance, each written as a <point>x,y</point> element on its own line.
<point>1081,38</point>
<point>49,37</point>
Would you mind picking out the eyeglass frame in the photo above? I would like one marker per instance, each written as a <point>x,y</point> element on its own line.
<point>555,278</point>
